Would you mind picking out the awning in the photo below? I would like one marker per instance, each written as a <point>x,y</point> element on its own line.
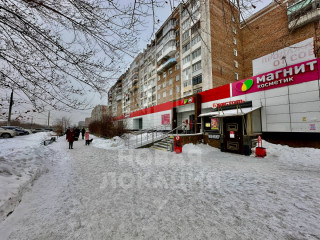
<point>230,113</point>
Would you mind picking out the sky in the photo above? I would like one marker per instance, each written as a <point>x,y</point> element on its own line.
<point>94,99</point>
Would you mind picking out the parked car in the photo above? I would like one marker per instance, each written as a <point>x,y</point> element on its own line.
<point>20,131</point>
<point>38,130</point>
<point>7,133</point>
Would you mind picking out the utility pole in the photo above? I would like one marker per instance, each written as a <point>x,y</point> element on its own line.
<point>49,119</point>
<point>10,108</point>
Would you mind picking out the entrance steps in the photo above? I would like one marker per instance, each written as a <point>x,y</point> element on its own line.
<point>164,144</point>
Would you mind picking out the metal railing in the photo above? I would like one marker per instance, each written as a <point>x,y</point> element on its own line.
<point>146,136</point>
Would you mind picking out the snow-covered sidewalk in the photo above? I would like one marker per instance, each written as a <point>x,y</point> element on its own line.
<point>96,193</point>
<point>22,160</point>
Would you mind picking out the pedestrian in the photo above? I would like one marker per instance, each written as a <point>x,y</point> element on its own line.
<point>83,132</point>
<point>70,138</point>
<point>87,137</point>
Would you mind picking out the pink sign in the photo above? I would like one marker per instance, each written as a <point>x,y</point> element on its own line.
<point>294,74</point>
<point>165,119</point>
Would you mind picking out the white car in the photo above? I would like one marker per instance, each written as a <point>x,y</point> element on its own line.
<point>7,133</point>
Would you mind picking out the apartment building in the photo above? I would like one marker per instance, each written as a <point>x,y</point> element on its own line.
<point>204,57</point>
<point>98,112</point>
<point>183,57</point>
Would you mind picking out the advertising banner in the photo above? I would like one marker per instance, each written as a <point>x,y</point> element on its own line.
<point>295,74</point>
<point>214,123</point>
<point>165,119</point>
<point>296,53</point>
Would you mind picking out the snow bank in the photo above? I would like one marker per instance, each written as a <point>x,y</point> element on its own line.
<point>113,143</point>
<point>21,162</point>
<point>198,149</point>
<point>305,157</point>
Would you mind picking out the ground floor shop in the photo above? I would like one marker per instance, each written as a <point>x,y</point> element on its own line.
<point>285,100</point>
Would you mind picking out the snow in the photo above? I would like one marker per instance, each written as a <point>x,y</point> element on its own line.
<point>113,193</point>
<point>128,140</point>
<point>21,162</point>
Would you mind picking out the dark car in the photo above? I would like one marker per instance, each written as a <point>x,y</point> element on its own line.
<point>20,131</point>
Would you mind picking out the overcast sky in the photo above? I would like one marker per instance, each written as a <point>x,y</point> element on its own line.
<point>95,98</point>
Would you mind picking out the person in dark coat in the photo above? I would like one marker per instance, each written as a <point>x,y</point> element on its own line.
<point>70,138</point>
<point>83,132</point>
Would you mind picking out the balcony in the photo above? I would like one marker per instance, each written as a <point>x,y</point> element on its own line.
<point>168,52</point>
<point>134,88</point>
<point>166,65</point>
<point>303,12</point>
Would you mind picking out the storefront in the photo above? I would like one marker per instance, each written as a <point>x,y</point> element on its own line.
<point>233,126</point>
<point>283,101</point>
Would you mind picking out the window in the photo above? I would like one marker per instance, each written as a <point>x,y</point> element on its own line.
<point>159,87</point>
<point>164,84</point>
<point>186,83</point>
<point>195,27</point>
<point>236,76</point>
<point>170,81</point>
<point>185,36</point>
<point>177,44</point>
<point>177,66</point>
<point>170,92</point>
<point>177,33</point>
<point>186,47</point>
<point>186,73</point>
<point>159,78</point>
<point>164,75</point>
<point>170,71</point>
<point>184,13</point>
<point>196,53</point>
<point>234,30</point>
<point>159,96</point>
<point>236,64</point>
<point>185,24</point>
<point>153,72</point>
<point>234,41</point>
<point>178,89</point>
<point>235,52</point>
<point>196,66</point>
<point>164,94</point>
<point>195,40</point>
<point>233,19</point>
<point>177,78</point>
<point>197,90</point>
<point>186,59</point>
<point>177,55</point>
<point>197,79</point>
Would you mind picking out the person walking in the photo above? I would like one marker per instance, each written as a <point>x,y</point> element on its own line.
<point>87,137</point>
<point>70,138</point>
<point>83,132</point>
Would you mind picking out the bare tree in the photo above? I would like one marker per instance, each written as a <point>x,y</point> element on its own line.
<point>53,51</point>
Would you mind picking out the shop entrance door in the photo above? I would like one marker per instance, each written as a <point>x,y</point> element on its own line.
<point>192,123</point>
<point>233,135</point>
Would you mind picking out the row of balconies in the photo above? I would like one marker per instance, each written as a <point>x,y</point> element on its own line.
<point>303,12</point>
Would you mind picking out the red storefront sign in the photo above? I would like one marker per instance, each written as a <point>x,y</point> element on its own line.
<point>217,105</point>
